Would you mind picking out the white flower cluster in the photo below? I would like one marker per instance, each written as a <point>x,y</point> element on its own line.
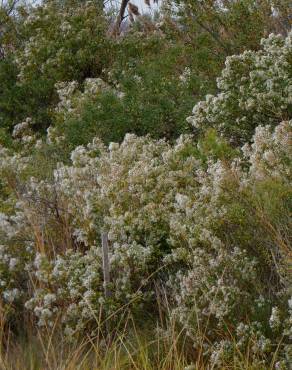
<point>185,76</point>
<point>270,153</point>
<point>65,91</point>
<point>72,99</point>
<point>20,128</point>
<point>69,285</point>
<point>23,133</point>
<point>50,45</point>
<point>255,89</point>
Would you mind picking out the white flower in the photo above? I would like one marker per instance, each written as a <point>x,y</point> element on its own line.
<point>113,146</point>
<point>11,295</point>
<point>181,199</point>
<point>49,299</point>
<point>275,320</point>
<point>185,76</point>
<point>13,263</point>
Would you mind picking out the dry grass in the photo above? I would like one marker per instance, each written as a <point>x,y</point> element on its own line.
<point>128,348</point>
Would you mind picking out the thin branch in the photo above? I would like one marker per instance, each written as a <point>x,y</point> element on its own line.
<point>120,17</point>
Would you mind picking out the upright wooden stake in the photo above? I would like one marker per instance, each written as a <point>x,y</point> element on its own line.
<point>105,264</point>
<point>106,276</point>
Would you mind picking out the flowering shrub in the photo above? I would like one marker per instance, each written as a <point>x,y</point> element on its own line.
<point>172,216</point>
<point>205,222</point>
<point>128,190</point>
<point>55,42</point>
<point>62,41</point>
<point>81,115</point>
<point>223,281</point>
<point>68,287</point>
<point>141,98</point>
<point>255,89</point>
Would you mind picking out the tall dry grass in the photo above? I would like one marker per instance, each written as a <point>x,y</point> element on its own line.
<point>128,346</point>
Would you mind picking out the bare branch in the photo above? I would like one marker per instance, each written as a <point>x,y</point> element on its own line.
<point>120,17</point>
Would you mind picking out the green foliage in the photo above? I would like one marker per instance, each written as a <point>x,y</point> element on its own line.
<point>94,138</point>
<point>232,26</point>
<point>57,44</point>
<point>215,147</point>
<point>160,70</point>
<point>141,94</point>
<point>255,89</point>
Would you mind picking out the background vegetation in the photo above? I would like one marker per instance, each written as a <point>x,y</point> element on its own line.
<point>171,133</point>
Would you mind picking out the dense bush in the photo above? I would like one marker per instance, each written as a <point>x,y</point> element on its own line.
<point>231,26</point>
<point>255,88</point>
<point>137,94</point>
<point>56,43</point>
<point>161,69</point>
<point>170,215</point>
<point>198,224</point>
